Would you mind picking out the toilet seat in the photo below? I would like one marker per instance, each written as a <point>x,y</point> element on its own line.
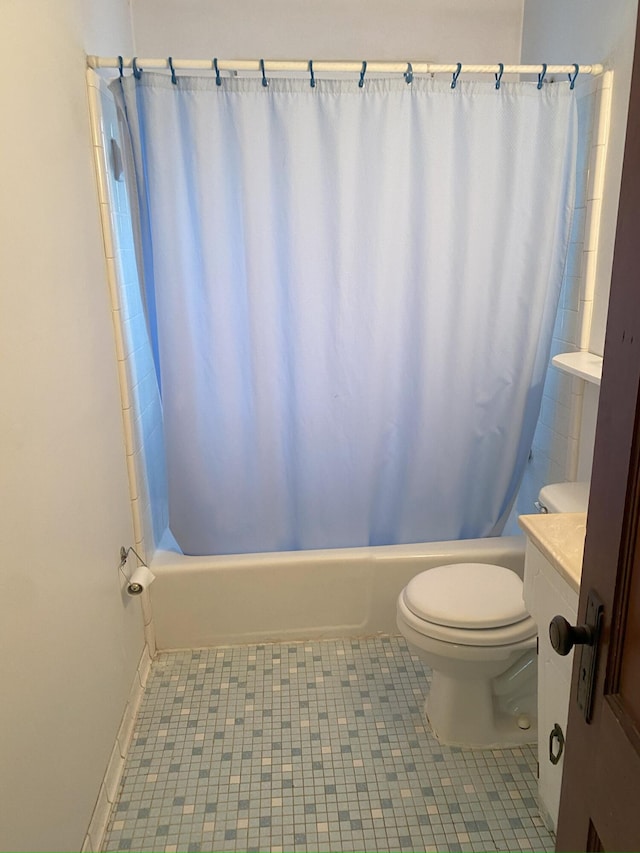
<point>470,604</point>
<point>467,595</point>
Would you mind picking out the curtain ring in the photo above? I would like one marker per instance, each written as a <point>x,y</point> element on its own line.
<point>121,66</point>
<point>541,75</point>
<point>137,72</point>
<point>408,74</point>
<point>312,82</point>
<point>456,74</point>
<point>265,82</point>
<point>217,70</point>
<point>499,74</point>
<point>174,79</point>
<point>572,77</point>
<point>362,73</point>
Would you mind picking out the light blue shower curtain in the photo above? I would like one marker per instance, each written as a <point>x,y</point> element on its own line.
<point>352,292</point>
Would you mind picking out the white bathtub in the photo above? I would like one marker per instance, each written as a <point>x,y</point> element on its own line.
<point>298,595</point>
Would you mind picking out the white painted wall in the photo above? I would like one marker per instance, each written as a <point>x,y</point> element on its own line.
<point>586,31</point>
<point>436,30</point>
<point>70,641</point>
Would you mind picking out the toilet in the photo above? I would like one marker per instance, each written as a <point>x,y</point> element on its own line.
<point>467,622</point>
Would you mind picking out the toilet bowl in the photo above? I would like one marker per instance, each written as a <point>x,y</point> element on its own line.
<point>467,622</point>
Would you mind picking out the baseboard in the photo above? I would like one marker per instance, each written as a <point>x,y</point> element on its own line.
<point>110,784</point>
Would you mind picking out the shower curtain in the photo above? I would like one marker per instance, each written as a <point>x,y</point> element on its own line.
<point>351,293</point>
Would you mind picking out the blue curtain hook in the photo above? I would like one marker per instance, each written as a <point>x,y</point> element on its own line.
<point>312,82</point>
<point>572,77</point>
<point>362,73</point>
<point>408,74</point>
<point>456,74</point>
<point>499,74</point>
<point>217,70</point>
<point>137,72</point>
<point>541,76</point>
<point>265,82</point>
<point>121,66</point>
<point>174,79</point>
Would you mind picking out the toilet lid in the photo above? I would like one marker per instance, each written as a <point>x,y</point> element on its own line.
<point>467,595</point>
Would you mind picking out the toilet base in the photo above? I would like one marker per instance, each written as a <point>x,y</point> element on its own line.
<point>467,712</point>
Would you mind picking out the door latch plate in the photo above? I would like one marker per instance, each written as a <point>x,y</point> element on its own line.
<point>589,656</point>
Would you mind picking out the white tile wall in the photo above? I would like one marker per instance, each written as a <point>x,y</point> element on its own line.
<point>563,440</point>
<point>141,404</point>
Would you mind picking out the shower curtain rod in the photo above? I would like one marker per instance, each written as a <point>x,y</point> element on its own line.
<point>320,65</point>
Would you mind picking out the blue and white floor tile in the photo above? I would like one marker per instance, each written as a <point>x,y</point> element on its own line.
<point>307,747</point>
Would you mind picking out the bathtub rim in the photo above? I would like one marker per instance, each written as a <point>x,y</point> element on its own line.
<point>211,601</point>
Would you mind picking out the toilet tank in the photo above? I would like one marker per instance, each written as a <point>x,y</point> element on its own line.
<point>564,497</point>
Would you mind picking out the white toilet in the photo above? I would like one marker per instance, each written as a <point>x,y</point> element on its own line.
<point>468,623</point>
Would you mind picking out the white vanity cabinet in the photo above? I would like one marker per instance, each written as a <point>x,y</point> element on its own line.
<point>547,594</point>
<point>551,587</point>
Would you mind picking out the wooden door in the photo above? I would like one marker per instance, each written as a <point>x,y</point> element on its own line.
<point>600,801</point>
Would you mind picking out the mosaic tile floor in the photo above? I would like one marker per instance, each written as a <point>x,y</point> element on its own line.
<point>308,747</point>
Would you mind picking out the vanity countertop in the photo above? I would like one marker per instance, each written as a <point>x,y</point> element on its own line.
<point>560,537</point>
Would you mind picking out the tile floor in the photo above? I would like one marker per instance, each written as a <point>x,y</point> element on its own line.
<point>307,747</point>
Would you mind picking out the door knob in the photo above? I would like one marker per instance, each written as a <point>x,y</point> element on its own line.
<point>564,636</point>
